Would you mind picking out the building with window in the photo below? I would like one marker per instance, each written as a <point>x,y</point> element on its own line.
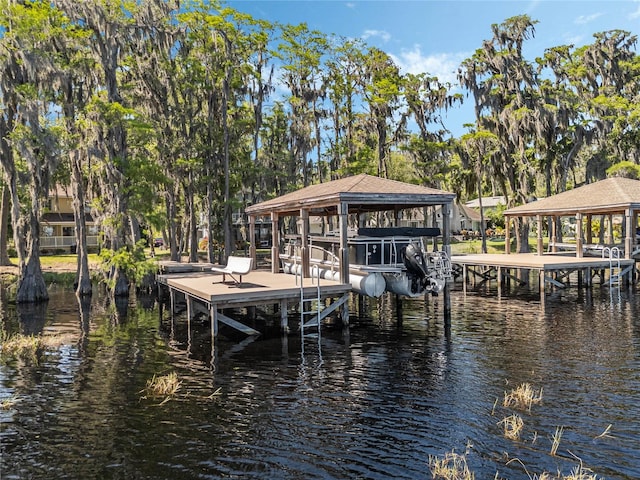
<point>57,225</point>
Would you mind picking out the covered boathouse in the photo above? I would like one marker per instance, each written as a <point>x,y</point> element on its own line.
<point>348,200</point>
<point>356,195</point>
<point>609,253</point>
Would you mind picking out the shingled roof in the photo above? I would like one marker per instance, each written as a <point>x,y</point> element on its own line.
<point>362,193</point>
<point>613,195</point>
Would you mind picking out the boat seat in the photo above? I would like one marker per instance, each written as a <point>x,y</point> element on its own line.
<point>236,266</point>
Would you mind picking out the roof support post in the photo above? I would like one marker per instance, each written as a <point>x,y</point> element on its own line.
<point>554,234</point>
<point>252,240</point>
<point>589,229</point>
<point>304,253</point>
<point>579,242</point>
<point>540,244</point>
<point>343,210</point>
<point>446,228</point>
<point>507,234</point>
<point>275,243</point>
<point>630,233</point>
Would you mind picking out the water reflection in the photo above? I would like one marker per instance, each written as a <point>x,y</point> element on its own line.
<point>374,400</point>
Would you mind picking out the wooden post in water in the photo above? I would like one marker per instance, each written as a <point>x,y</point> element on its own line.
<point>213,313</point>
<point>284,316</point>
<point>446,246</point>
<point>172,301</point>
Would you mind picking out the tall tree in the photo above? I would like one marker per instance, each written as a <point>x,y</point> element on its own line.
<point>28,83</point>
<point>382,94</point>
<point>109,23</point>
<point>476,150</point>
<point>503,84</point>
<point>301,52</point>
<point>344,86</point>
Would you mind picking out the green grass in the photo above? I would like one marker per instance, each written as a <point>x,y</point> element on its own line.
<point>493,246</point>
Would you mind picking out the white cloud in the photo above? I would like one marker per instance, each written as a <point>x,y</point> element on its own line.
<point>635,14</point>
<point>385,36</point>
<point>575,40</point>
<point>350,5</point>
<point>584,19</point>
<point>442,65</point>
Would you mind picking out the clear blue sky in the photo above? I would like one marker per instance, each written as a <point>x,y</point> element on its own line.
<point>434,36</point>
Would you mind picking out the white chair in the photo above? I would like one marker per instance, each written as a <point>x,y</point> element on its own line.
<point>235,266</point>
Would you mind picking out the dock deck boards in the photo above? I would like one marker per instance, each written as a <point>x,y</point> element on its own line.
<point>534,261</point>
<point>257,287</point>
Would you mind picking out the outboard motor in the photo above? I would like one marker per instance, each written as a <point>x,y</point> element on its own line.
<point>414,260</point>
<point>416,267</point>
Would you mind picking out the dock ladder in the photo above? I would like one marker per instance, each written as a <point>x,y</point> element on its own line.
<point>615,269</point>
<point>310,317</point>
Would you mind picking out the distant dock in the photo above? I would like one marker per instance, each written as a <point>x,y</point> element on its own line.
<point>553,269</point>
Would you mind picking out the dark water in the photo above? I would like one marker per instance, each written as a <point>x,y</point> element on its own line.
<point>372,402</point>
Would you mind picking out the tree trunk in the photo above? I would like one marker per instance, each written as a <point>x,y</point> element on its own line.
<point>120,283</point>
<point>483,230</point>
<point>31,286</point>
<point>4,226</point>
<point>83,276</point>
<point>136,234</point>
<point>523,236</point>
<point>173,228</point>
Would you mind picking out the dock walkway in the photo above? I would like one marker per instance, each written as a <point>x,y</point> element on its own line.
<point>554,268</point>
<point>203,288</point>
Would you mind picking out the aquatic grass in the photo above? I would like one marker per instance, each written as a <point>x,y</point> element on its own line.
<point>452,466</point>
<point>578,473</point>
<point>522,397</point>
<point>581,473</point>
<point>30,348</point>
<point>164,386</point>
<point>217,393</point>
<point>556,440</point>
<point>8,403</point>
<point>605,434</point>
<point>23,347</point>
<point>512,426</point>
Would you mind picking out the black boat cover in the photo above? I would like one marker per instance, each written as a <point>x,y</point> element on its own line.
<point>400,232</point>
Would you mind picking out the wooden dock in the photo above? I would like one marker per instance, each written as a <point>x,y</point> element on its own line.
<point>554,269</point>
<point>204,291</point>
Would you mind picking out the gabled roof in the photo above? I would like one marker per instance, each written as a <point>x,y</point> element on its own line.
<point>362,193</point>
<point>487,202</point>
<point>471,213</point>
<point>612,195</point>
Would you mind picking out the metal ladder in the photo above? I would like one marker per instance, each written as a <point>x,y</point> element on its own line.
<point>615,269</point>
<point>306,305</point>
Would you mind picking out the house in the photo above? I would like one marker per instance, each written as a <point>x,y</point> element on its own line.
<point>57,224</point>
<point>488,203</point>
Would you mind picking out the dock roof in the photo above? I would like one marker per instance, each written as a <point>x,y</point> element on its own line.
<point>362,193</point>
<point>612,195</point>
